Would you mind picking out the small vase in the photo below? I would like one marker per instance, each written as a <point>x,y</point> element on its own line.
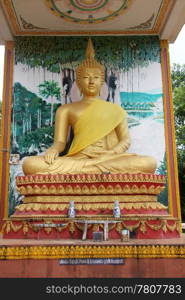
<point>116,209</point>
<point>71,211</point>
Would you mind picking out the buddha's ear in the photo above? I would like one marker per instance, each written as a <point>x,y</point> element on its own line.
<point>79,87</point>
<point>78,84</point>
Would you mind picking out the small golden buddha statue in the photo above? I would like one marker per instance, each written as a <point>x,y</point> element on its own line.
<point>101,136</point>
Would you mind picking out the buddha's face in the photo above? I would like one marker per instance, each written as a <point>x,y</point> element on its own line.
<point>91,81</point>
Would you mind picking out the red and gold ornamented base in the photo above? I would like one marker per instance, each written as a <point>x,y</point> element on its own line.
<point>44,213</point>
<point>141,259</point>
<point>64,228</point>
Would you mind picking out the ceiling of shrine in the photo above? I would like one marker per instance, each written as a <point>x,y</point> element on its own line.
<point>89,17</point>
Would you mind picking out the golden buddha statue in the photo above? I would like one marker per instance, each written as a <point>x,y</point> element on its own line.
<point>101,136</point>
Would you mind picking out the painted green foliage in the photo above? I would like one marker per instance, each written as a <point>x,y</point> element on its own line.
<point>121,53</point>
<point>50,89</point>
<point>31,121</point>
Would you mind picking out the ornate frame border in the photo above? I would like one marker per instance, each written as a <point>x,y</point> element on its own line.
<point>173,183</point>
<point>173,187</point>
<point>6,129</point>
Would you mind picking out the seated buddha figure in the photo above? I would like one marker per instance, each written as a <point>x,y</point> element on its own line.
<point>101,136</point>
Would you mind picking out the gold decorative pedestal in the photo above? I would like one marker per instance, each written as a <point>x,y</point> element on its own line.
<point>44,212</point>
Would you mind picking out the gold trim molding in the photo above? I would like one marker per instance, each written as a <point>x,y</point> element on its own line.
<point>90,178</point>
<point>6,127</point>
<point>90,198</point>
<point>88,251</point>
<point>85,189</point>
<point>173,182</point>
<point>166,5</point>
<point>87,206</point>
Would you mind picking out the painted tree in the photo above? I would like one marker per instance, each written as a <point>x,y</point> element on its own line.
<point>116,53</point>
<point>63,54</point>
<point>30,114</point>
<point>24,113</point>
<point>50,89</point>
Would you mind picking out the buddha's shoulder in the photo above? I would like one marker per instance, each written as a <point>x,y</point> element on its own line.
<point>67,107</point>
<point>111,106</point>
<point>115,106</point>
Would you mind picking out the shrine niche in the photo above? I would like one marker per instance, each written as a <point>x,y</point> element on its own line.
<point>119,189</point>
<point>131,65</point>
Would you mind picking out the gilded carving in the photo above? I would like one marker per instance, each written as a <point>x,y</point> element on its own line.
<point>88,206</point>
<point>90,198</point>
<point>44,189</point>
<point>91,178</point>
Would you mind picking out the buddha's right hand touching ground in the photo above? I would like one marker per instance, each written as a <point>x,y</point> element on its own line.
<point>50,155</point>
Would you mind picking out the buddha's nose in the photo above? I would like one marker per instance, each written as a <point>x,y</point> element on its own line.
<point>91,80</point>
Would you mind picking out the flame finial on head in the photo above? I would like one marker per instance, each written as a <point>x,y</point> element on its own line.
<point>90,53</point>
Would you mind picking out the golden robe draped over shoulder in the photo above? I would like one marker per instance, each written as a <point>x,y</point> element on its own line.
<point>92,148</point>
<point>98,120</point>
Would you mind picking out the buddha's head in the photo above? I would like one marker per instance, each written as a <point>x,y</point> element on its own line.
<point>90,73</point>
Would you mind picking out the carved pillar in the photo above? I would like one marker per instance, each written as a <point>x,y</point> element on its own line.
<point>6,129</point>
<point>173,183</point>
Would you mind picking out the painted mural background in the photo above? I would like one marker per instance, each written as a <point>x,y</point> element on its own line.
<point>44,79</point>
